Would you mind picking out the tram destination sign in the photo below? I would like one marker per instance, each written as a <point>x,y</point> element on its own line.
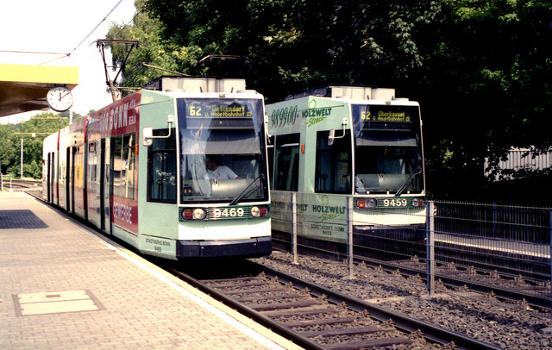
<point>220,109</point>
<point>219,113</point>
<point>369,116</point>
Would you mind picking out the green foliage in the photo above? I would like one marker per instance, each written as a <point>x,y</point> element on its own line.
<point>481,69</point>
<point>494,69</point>
<point>153,50</point>
<point>42,125</point>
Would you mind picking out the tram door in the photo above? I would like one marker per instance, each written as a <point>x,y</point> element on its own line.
<point>68,178</point>
<point>105,186</point>
<point>73,156</point>
<point>52,176</point>
<point>48,178</point>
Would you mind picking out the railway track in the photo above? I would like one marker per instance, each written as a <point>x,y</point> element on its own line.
<point>316,317</point>
<point>449,280</point>
<point>22,185</point>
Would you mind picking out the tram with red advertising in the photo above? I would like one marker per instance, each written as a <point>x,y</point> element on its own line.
<point>176,173</point>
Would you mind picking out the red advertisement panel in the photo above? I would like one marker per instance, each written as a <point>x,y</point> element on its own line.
<point>119,118</point>
<point>124,213</point>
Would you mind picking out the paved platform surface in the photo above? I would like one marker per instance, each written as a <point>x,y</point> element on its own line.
<point>63,287</point>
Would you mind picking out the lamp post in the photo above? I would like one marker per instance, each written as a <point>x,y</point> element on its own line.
<point>33,134</point>
<point>21,160</point>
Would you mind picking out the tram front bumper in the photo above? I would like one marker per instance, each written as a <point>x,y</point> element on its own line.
<point>252,247</point>
<point>416,232</point>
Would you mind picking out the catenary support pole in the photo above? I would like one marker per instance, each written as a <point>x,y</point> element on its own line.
<point>550,254</point>
<point>430,246</point>
<point>350,252</point>
<point>21,158</point>
<point>294,226</point>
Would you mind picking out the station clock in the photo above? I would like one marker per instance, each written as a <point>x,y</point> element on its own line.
<point>59,98</point>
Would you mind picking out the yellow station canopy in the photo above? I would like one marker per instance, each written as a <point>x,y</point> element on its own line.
<point>23,88</point>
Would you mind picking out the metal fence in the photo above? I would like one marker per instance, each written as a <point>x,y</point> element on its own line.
<point>5,181</point>
<point>491,244</point>
<point>511,240</point>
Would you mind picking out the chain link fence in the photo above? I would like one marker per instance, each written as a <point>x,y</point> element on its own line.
<point>489,244</point>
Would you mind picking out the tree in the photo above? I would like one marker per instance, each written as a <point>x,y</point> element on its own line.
<point>481,69</point>
<point>492,90</point>
<point>153,49</point>
<point>32,146</point>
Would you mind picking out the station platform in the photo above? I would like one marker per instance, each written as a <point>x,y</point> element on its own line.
<point>64,286</point>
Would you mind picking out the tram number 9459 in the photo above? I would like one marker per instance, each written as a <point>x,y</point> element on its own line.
<point>399,202</point>
<point>228,213</point>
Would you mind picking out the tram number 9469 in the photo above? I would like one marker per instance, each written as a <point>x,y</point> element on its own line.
<point>399,202</point>
<point>228,213</point>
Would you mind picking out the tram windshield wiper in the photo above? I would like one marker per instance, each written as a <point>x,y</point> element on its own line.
<point>408,181</point>
<point>246,190</point>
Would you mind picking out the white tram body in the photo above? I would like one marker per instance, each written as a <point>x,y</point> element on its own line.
<point>144,169</point>
<point>332,143</point>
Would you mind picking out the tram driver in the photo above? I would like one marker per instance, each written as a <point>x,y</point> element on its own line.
<point>217,171</point>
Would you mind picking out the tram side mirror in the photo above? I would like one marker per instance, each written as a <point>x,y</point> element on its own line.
<point>331,137</point>
<point>147,136</point>
<point>331,134</point>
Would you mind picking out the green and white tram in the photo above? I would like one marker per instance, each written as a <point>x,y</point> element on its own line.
<point>332,143</point>
<point>178,170</point>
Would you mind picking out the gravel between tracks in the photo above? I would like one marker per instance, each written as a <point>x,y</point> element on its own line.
<point>510,326</point>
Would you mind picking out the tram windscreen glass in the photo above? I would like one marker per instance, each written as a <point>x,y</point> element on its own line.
<point>388,154</point>
<point>222,150</point>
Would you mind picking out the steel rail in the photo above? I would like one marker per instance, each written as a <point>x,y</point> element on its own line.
<point>249,312</point>
<point>402,321</point>
<point>500,293</point>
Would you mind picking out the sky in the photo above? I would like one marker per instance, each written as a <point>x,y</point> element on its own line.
<point>59,26</point>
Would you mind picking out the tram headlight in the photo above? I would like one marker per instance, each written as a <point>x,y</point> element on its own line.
<point>194,214</point>
<point>199,214</point>
<point>417,202</point>
<point>255,211</point>
<point>366,203</point>
<point>371,203</point>
<point>259,211</point>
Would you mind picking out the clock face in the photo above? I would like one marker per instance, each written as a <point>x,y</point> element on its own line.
<point>59,98</point>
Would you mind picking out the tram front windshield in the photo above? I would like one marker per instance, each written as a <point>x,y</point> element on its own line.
<point>388,155</point>
<point>222,150</point>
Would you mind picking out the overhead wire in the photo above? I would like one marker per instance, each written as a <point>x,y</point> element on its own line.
<point>33,52</point>
<point>55,59</point>
<point>96,27</point>
<point>87,36</point>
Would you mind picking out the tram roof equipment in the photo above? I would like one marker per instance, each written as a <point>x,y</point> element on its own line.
<point>196,84</point>
<point>350,92</point>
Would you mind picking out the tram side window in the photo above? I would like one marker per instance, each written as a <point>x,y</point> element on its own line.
<point>124,165</point>
<point>287,162</point>
<point>162,168</point>
<point>79,163</point>
<point>333,164</point>
<point>92,162</point>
